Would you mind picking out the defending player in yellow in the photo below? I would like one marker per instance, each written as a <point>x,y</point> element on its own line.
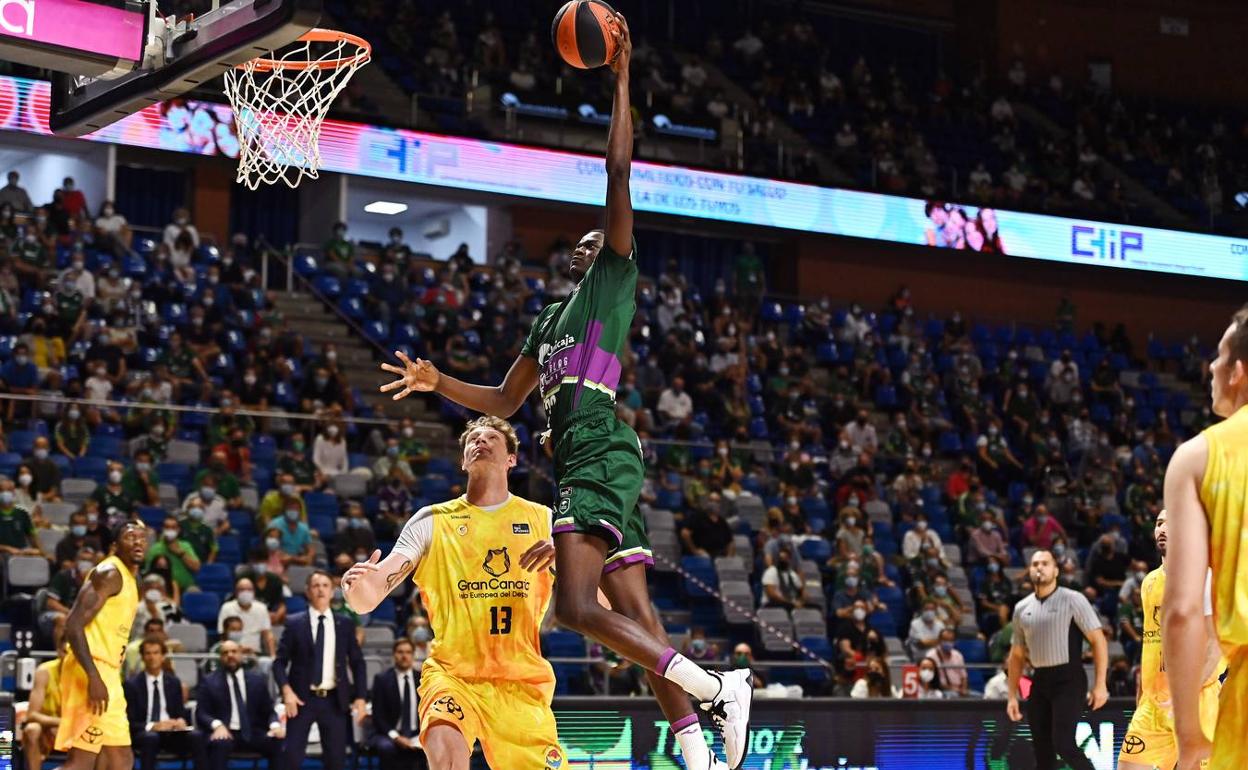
<point>1150,740</point>
<point>1205,490</point>
<point>94,729</point>
<point>482,563</point>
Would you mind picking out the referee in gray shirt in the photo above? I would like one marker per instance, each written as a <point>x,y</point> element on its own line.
<point>1049,628</point>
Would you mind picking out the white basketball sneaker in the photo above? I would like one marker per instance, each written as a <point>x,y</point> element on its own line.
<point>730,711</point>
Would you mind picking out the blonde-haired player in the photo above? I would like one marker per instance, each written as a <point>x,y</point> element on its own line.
<point>94,729</point>
<point>482,564</point>
<point>1205,498</point>
<point>1150,740</point>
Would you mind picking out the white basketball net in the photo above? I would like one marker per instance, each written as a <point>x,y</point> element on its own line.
<point>280,105</point>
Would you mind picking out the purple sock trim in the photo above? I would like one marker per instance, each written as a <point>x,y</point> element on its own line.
<point>682,723</point>
<point>665,660</point>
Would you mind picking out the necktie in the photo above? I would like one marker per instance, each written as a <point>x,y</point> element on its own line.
<point>155,701</point>
<point>244,719</point>
<point>405,705</point>
<point>318,652</point>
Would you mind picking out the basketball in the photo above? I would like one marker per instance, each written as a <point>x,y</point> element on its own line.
<point>583,33</point>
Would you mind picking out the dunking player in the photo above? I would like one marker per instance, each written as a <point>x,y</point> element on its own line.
<point>1205,487</point>
<point>486,658</point>
<point>94,728</point>
<point>573,352</point>
<point>1150,738</point>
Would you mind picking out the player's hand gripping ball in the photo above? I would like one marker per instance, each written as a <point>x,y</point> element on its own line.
<point>584,33</point>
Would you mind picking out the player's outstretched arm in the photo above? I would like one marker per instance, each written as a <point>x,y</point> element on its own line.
<point>421,376</point>
<point>368,582</point>
<point>1183,625</point>
<point>619,227</point>
<point>105,583</point>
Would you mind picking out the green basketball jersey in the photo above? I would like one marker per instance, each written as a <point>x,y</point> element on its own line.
<point>578,347</point>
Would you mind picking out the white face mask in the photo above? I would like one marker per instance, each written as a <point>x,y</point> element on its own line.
<point>927,675</point>
<point>152,595</point>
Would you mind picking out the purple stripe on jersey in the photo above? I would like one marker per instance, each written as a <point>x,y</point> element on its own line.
<point>563,528</point>
<point>596,365</point>
<point>665,660</point>
<point>619,536</point>
<point>684,722</point>
<point>634,559</point>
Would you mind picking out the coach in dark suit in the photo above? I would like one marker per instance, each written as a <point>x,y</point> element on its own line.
<point>320,670</point>
<point>249,725</point>
<point>395,719</point>
<point>157,711</point>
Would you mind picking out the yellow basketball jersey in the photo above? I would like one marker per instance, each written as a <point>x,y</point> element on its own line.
<point>484,609</point>
<point>1153,681</point>
<point>109,632</point>
<point>1223,495</point>
<point>52,695</point>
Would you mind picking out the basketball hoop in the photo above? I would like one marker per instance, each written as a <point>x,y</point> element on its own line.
<point>281,102</point>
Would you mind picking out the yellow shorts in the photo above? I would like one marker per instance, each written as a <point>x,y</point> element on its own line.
<point>1230,749</point>
<point>1150,737</point>
<point>513,721</point>
<point>81,729</point>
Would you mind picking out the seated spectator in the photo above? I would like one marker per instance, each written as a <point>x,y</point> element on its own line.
<point>207,492</point>
<point>20,376</point>
<point>1040,529</point>
<point>43,710</point>
<point>47,474</point>
<point>77,539</point>
<point>339,253</point>
<point>415,451</point>
<point>329,451</point>
<point>929,680</point>
<point>861,433</point>
<point>17,531</point>
<point>998,687</point>
<point>219,713</point>
<point>852,593</point>
<point>918,538</point>
<point>237,454</point>
<point>877,683</point>
<point>697,648</point>
<point>257,625</point>
<point>996,596</point>
<point>743,657</point>
<point>1131,625</point>
<point>276,501</point>
<point>15,195</point>
<point>421,634</point>
<point>72,435</point>
<point>112,231</point>
<point>987,542</point>
<point>26,499</point>
<point>63,590</point>
<point>184,563</point>
<point>197,532</point>
<point>157,603</point>
<point>856,640</point>
<point>706,532</point>
<point>395,502</point>
<point>232,631</point>
<point>357,542</point>
<point>951,665</point>
<point>392,463</point>
<point>294,461</point>
<point>1106,568</point>
<point>925,630</point>
<point>321,391</point>
<point>181,224</point>
<point>1136,573</point>
<point>156,709</point>
<point>395,716</point>
<point>132,661</point>
<point>783,586</point>
<point>850,535</point>
<point>225,483</point>
<point>295,541</point>
<point>948,606</point>
<point>141,482</point>
<point>675,405</point>
<point>115,504</point>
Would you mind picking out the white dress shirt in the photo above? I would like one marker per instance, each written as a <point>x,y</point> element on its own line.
<point>328,679</point>
<point>158,682</point>
<point>410,677</point>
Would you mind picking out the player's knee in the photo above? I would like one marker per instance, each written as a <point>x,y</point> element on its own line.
<point>575,613</point>
<point>31,733</point>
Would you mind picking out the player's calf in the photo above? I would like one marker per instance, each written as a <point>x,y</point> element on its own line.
<point>445,748</point>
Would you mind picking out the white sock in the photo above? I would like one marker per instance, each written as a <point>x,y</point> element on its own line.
<point>693,748</point>
<point>691,677</point>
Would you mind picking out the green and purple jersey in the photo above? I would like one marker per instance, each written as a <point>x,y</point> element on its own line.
<point>578,343</point>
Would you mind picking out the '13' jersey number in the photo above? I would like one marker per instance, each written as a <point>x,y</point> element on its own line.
<point>500,620</point>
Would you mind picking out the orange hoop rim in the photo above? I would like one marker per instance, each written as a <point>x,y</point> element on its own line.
<point>317,35</point>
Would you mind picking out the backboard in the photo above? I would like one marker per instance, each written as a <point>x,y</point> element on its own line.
<point>94,89</point>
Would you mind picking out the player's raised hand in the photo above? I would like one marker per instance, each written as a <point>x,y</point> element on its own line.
<point>539,558</point>
<point>417,376</point>
<point>360,569</point>
<point>624,45</point>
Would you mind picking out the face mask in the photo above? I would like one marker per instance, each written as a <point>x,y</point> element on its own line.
<point>235,636</point>
<point>941,591</point>
<point>1139,576</point>
<point>84,567</point>
<point>181,221</point>
<point>41,454</point>
<point>392,451</point>
<point>741,661</point>
<point>929,616</point>
<point>171,534</point>
<point>249,379</point>
<point>152,595</point>
<point>297,446</point>
<point>24,479</point>
<point>860,614</point>
<point>927,675</point>
<point>322,382</point>
<point>331,431</point>
<point>74,414</point>
<point>208,493</point>
<point>292,514</point>
<point>933,562</point>
<point>6,499</point>
<point>197,513</point>
<point>921,526</point>
<point>260,569</point>
<point>850,520</point>
<point>421,634</point>
<point>791,500</point>
<point>142,467</point>
<point>1059,551</point>
<point>851,582</point>
<point>946,647</point>
<point>92,518</point>
<point>288,490</point>
<point>986,526</point>
<point>78,530</point>
<point>408,432</point>
<point>1042,519</point>
<point>245,597</point>
<point>272,543</point>
<point>698,645</point>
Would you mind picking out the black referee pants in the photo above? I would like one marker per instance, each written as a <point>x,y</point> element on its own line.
<point>1058,697</point>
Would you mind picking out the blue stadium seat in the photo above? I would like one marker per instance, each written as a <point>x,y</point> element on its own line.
<point>9,461</point>
<point>327,286</point>
<point>817,550</point>
<point>701,568</point>
<point>758,428</point>
<point>106,447</point>
<point>22,442</point>
<point>89,467</point>
<point>201,607</point>
<point>215,578</point>
<point>229,549</point>
<point>296,604</point>
<point>154,517</point>
<point>320,503</point>
<point>385,612</point>
<point>974,650</point>
<point>816,674</point>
